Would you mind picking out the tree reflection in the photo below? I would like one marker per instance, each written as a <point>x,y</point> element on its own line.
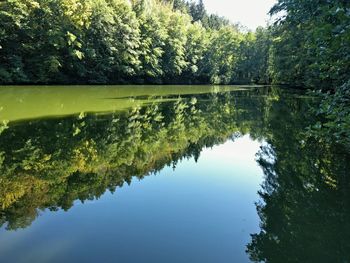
<point>305,201</point>
<point>49,164</point>
<point>304,209</point>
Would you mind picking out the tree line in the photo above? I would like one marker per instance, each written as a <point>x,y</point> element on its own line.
<point>171,41</point>
<point>117,41</point>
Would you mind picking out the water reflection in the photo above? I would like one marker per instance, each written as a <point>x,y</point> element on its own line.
<point>50,163</point>
<point>304,206</point>
<point>305,202</point>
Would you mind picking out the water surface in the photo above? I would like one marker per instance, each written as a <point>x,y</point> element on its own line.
<point>168,174</point>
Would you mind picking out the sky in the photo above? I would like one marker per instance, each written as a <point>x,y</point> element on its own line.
<point>250,13</point>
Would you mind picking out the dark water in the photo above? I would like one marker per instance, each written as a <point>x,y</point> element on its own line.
<point>168,174</point>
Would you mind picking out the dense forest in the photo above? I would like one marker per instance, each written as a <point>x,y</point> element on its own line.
<point>120,41</point>
<point>171,41</point>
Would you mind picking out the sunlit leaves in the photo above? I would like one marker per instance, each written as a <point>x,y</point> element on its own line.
<point>113,41</point>
<point>312,48</point>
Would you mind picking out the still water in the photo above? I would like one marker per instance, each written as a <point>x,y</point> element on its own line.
<point>168,174</point>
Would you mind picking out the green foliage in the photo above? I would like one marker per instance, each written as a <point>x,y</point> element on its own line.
<point>334,111</point>
<point>311,43</point>
<point>174,50</point>
<point>153,34</point>
<point>171,41</point>
<point>309,47</point>
<point>114,41</point>
<point>219,61</point>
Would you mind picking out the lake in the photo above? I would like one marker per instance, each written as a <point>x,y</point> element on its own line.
<point>169,174</point>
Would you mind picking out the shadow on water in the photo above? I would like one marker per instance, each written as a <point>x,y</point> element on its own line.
<point>304,207</point>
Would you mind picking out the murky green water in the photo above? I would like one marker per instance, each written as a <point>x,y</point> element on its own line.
<point>168,174</point>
